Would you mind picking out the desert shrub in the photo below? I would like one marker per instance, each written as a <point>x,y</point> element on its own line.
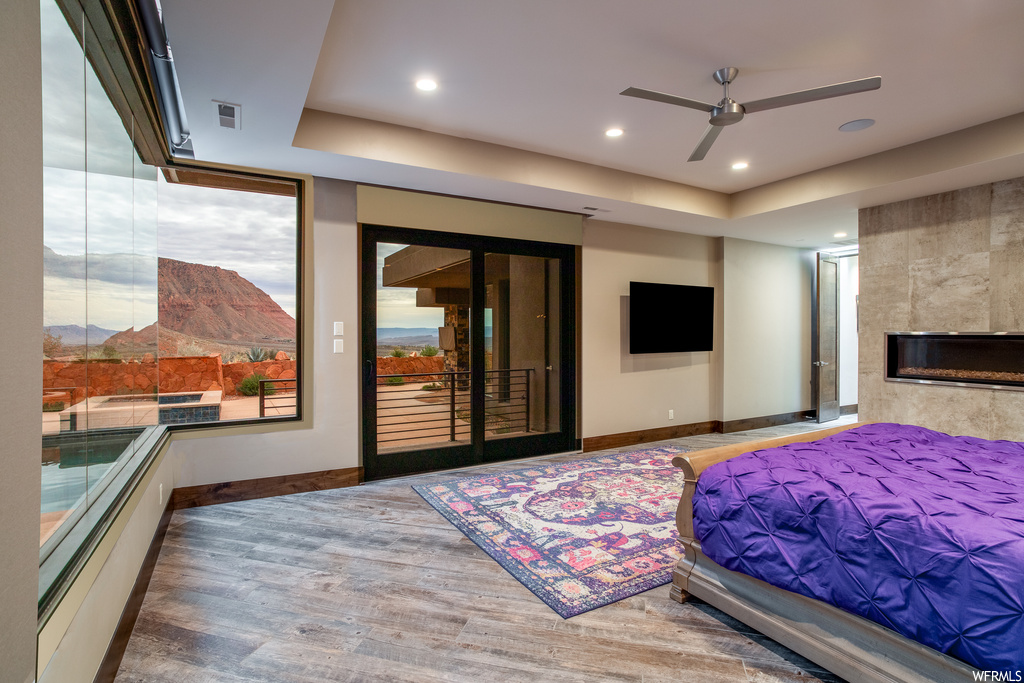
<point>53,407</point>
<point>434,386</point>
<point>250,386</point>
<point>394,381</point>
<point>398,353</point>
<point>257,354</point>
<point>429,351</point>
<point>53,345</point>
<point>191,349</point>
<point>105,354</point>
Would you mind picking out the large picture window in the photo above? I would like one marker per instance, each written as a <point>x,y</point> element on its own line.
<point>170,296</point>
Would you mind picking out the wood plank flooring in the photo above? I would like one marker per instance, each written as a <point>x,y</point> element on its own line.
<point>371,584</point>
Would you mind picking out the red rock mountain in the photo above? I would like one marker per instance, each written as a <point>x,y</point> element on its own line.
<point>209,302</point>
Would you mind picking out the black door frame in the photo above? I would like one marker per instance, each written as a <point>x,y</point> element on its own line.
<point>479,450</point>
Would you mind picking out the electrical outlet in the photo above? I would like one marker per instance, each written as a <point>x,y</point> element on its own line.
<point>671,414</point>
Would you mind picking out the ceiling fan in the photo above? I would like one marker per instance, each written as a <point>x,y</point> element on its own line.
<point>728,111</point>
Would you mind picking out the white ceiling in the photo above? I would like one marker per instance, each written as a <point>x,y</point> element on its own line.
<point>544,76</point>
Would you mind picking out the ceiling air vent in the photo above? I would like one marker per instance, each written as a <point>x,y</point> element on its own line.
<point>846,243</point>
<point>228,115</point>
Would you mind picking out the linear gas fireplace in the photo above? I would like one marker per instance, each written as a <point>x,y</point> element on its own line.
<point>993,360</point>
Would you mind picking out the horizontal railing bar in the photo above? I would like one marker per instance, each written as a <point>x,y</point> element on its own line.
<point>418,413</point>
<point>381,418</point>
<point>410,438</point>
<point>439,373</point>
<point>424,410</point>
<point>405,395</point>
<point>443,435</point>
<point>402,394</point>
<point>455,373</point>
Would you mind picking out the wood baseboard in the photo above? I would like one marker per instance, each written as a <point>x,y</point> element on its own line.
<point>126,624</point>
<point>248,489</point>
<point>599,443</point>
<point>730,426</point>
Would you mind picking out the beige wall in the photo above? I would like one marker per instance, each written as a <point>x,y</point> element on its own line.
<point>404,209</point>
<point>329,437</point>
<point>622,392</point>
<point>767,338</point>
<point>947,262</point>
<point>21,309</point>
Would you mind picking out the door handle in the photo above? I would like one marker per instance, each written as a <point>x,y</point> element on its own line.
<point>820,363</point>
<point>369,370</point>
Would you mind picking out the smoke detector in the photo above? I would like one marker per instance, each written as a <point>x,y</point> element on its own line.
<point>228,115</point>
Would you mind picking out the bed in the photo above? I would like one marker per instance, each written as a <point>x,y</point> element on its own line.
<point>894,524</point>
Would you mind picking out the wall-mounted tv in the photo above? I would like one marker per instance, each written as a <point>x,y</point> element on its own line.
<point>670,318</point>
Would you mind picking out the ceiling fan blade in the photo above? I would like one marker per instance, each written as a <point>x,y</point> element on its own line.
<point>667,99</point>
<point>701,150</point>
<point>814,94</point>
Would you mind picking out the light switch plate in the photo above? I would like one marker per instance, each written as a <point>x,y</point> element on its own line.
<point>339,346</point>
<point>339,329</point>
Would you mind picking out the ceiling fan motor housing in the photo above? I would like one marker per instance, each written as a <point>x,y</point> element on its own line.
<point>726,113</point>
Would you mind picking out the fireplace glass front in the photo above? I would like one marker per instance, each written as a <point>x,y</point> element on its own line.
<point>993,360</point>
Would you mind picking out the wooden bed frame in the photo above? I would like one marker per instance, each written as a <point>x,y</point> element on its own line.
<point>847,645</point>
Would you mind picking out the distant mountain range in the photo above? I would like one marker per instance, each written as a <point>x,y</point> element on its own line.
<point>391,334</point>
<point>76,334</point>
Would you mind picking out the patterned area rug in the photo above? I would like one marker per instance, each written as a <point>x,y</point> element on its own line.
<point>580,535</point>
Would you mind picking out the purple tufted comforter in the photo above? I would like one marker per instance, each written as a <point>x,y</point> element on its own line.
<point>916,530</point>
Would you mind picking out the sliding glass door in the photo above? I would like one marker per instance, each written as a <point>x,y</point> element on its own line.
<point>468,350</point>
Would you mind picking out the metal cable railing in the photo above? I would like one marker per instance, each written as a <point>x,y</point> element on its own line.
<point>275,394</point>
<point>437,405</point>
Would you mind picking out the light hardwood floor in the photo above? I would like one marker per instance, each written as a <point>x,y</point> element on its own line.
<point>371,584</point>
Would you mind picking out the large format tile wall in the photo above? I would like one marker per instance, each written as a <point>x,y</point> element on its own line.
<point>949,262</point>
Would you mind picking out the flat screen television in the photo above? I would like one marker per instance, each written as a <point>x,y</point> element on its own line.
<point>670,318</point>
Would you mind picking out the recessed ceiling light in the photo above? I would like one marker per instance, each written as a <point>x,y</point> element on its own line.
<point>858,124</point>
<point>839,234</point>
<point>739,165</point>
<point>613,132</point>
<point>426,84</point>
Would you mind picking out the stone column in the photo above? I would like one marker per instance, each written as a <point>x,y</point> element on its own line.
<point>457,360</point>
